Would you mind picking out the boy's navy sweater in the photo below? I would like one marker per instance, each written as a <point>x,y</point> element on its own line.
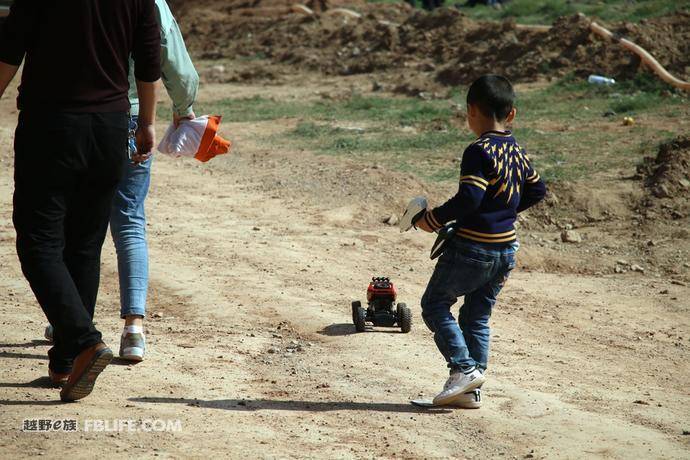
<point>497,182</point>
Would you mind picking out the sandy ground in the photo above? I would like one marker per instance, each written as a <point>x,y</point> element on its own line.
<point>252,350</point>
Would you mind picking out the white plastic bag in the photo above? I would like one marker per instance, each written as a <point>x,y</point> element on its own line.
<point>195,138</point>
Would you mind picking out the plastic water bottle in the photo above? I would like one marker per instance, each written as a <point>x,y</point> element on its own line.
<point>599,80</point>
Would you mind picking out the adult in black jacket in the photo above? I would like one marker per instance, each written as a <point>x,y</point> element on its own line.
<point>70,150</point>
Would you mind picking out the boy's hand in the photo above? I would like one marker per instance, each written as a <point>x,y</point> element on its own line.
<point>422,225</point>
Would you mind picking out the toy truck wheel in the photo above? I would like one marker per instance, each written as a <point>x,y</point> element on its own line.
<point>355,306</point>
<point>360,319</point>
<point>404,318</point>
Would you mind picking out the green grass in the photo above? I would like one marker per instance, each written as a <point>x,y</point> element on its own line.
<point>576,149</point>
<point>421,151</point>
<point>546,11</point>
<point>260,56</point>
<point>391,143</point>
<point>375,129</point>
<point>395,111</point>
<point>562,126</point>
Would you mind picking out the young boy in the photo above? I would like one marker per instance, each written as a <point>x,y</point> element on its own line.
<point>497,182</point>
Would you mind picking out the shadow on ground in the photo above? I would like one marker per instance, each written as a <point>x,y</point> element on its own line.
<point>9,354</point>
<point>41,382</point>
<point>288,405</point>
<point>8,402</point>
<point>340,329</point>
<point>123,362</point>
<point>33,343</point>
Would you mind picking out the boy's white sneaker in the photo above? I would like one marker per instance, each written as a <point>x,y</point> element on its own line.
<point>470,400</point>
<point>457,384</point>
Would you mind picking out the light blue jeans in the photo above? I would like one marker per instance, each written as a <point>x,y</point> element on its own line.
<point>478,272</point>
<point>128,228</point>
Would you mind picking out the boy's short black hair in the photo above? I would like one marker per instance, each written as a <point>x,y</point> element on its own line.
<point>494,96</point>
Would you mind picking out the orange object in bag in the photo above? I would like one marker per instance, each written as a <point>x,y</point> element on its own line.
<point>196,138</point>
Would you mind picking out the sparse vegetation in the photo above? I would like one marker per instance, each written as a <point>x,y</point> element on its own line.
<point>393,111</point>
<point>571,128</point>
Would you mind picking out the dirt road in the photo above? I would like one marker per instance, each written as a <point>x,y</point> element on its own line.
<point>255,258</point>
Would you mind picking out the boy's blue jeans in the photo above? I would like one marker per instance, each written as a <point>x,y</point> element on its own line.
<point>478,272</point>
<point>128,228</point>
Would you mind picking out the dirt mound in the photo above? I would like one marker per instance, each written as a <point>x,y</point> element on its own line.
<point>523,55</point>
<point>375,191</point>
<point>444,47</point>
<point>667,176</point>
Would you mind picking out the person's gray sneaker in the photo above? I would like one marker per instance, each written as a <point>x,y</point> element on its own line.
<point>48,334</point>
<point>132,346</point>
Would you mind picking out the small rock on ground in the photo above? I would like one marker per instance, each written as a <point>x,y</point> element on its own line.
<point>391,220</point>
<point>571,236</point>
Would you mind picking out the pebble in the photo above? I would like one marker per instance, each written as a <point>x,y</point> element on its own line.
<point>637,268</point>
<point>570,236</point>
<point>391,220</point>
<point>661,191</point>
<point>273,350</point>
<point>218,69</point>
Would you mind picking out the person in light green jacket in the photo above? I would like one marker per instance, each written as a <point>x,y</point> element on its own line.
<point>179,75</point>
<point>128,220</point>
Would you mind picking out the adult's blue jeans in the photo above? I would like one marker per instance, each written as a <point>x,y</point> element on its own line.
<point>478,272</point>
<point>128,228</point>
